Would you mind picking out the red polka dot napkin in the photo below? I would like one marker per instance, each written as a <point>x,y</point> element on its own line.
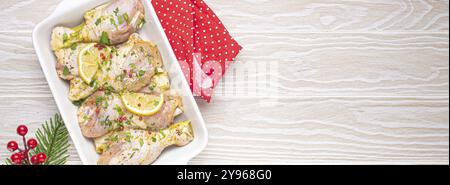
<point>200,41</point>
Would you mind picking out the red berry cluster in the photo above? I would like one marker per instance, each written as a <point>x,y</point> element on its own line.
<point>22,157</point>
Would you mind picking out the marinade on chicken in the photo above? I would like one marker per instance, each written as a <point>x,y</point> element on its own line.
<point>141,147</point>
<point>104,112</point>
<point>129,66</point>
<point>110,24</point>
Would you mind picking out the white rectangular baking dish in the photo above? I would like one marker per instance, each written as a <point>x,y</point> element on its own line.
<point>70,13</point>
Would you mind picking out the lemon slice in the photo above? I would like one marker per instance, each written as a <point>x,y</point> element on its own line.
<point>142,104</point>
<point>88,61</point>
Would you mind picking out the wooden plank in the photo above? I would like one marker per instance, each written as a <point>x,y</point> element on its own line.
<point>293,16</point>
<point>283,16</point>
<point>326,130</point>
<point>340,64</point>
<point>23,15</point>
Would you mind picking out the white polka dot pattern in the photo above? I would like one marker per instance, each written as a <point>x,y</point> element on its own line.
<point>193,28</point>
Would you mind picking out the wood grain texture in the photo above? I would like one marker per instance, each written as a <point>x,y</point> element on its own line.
<point>327,130</point>
<point>293,16</point>
<point>318,82</point>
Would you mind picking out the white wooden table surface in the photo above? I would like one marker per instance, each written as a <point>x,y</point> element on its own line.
<point>318,81</point>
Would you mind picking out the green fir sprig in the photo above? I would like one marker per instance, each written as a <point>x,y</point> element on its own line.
<point>53,140</point>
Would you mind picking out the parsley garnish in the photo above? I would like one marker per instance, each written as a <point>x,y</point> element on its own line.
<point>132,154</point>
<point>113,138</point>
<point>73,46</point>
<point>120,19</point>
<point>109,89</point>
<point>162,133</point>
<point>92,84</point>
<point>78,103</point>
<point>98,21</point>
<point>125,17</point>
<point>127,136</point>
<point>141,23</point>
<point>113,50</point>
<point>133,66</point>
<point>65,37</point>
<point>141,73</point>
<point>119,110</point>
<point>104,39</point>
<point>120,77</point>
<point>98,100</point>
<point>113,22</point>
<point>66,71</point>
<point>152,87</point>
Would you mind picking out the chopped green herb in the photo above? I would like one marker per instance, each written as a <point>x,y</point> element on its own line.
<point>104,39</point>
<point>132,65</point>
<point>120,77</point>
<point>127,136</point>
<point>119,110</point>
<point>132,154</point>
<point>109,89</point>
<point>105,104</point>
<point>73,46</point>
<point>106,121</point>
<point>120,19</point>
<point>66,71</point>
<point>113,49</point>
<point>116,11</point>
<point>155,103</point>
<point>85,118</point>
<point>153,139</point>
<point>113,22</point>
<point>126,18</point>
<point>141,73</point>
<point>113,138</point>
<point>65,37</point>
<point>141,23</point>
<point>162,133</point>
<point>78,103</point>
<point>141,142</point>
<point>98,100</point>
<point>152,87</point>
<point>92,84</point>
<point>98,21</point>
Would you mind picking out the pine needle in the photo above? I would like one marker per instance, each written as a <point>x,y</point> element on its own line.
<point>53,140</point>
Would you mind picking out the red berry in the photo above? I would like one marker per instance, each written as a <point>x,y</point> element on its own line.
<point>34,159</point>
<point>16,158</point>
<point>41,157</point>
<point>12,146</point>
<point>32,143</point>
<point>23,154</point>
<point>22,130</point>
